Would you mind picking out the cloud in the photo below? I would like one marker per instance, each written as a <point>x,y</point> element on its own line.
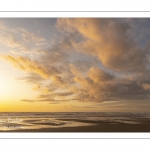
<point>75,71</point>
<point>59,81</point>
<point>19,40</point>
<point>40,100</point>
<point>27,100</point>
<point>30,37</point>
<point>31,78</point>
<point>30,66</point>
<point>41,88</point>
<point>109,41</point>
<point>98,75</point>
<point>93,60</point>
<point>50,100</point>
<point>64,94</point>
<point>145,86</point>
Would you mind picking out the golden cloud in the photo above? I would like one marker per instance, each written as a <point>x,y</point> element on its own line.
<point>30,66</point>
<point>109,41</point>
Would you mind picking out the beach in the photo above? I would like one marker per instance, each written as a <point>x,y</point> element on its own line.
<point>74,122</point>
<point>94,128</point>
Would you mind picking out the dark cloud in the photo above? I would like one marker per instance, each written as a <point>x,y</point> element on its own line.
<point>64,94</point>
<point>49,100</point>
<point>27,100</point>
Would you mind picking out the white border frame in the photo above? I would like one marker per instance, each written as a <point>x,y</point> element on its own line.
<point>73,14</point>
<point>71,135</point>
<point>81,135</point>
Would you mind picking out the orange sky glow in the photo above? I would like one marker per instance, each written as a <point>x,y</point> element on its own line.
<point>74,65</point>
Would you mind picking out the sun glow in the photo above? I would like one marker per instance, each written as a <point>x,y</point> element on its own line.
<point>6,85</point>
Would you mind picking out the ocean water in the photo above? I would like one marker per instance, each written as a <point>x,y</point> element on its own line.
<point>41,120</point>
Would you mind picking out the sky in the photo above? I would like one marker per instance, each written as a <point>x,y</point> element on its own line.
<point>74,65</point>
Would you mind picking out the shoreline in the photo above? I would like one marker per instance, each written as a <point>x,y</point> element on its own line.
<point>121,127</point>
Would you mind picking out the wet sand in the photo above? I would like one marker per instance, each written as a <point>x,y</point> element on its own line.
<point>101,127</point>
<point>74,122</point>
